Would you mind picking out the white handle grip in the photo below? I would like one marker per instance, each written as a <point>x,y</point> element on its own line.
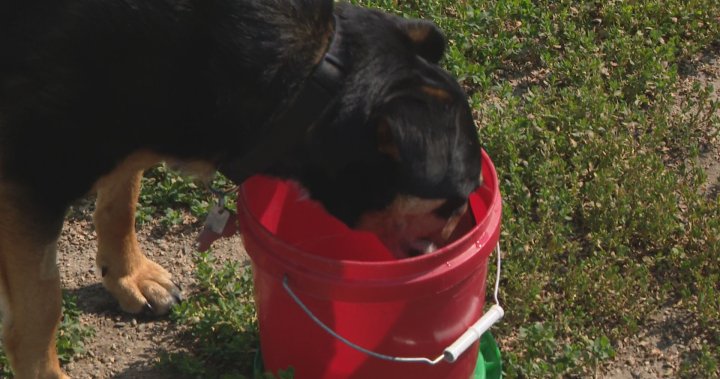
<point>493,315</point>
<point>451,354</point>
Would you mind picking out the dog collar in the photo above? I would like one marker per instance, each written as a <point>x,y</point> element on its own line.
<point>308,108</point>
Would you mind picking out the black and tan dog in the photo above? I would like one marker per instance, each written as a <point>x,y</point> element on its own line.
<point>92,92</point>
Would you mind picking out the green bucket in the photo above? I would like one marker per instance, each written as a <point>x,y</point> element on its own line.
<point>488,366</point>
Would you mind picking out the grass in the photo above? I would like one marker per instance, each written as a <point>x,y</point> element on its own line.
<point>581,108</point>
<point>604,222</point>
<point>220,325</point>
<point>594,139</point>
<point>168,197</point>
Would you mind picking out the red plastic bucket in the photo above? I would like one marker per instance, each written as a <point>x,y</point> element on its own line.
<point>411,307</point>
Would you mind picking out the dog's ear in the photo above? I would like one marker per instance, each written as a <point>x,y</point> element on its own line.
<point>427,39</point>
<point>406,135</point>
<point>433,143</point>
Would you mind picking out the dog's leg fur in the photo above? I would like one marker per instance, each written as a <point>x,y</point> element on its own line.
<point>29,284</point>
<point>138,283</point>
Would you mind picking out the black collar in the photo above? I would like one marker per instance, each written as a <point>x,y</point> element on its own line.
<point>317,95</point>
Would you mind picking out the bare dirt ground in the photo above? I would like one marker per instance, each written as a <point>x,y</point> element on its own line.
<point>125,346</point>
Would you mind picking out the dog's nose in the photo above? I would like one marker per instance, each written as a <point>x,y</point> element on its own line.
<point>450,207</point>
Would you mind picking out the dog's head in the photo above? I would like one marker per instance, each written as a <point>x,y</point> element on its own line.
<point>398,154</point>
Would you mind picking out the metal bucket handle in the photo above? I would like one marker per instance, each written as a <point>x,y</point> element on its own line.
<point>450,354</point>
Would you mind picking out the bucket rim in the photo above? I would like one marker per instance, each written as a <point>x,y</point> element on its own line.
<point>472,246</point>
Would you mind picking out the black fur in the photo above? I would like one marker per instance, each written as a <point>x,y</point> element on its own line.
<point>437,141</point>
<point>84,83</point>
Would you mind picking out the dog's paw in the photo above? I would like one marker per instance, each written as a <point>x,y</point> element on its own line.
<point>148,288</point>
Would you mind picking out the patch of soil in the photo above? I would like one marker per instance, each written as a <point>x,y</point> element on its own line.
<point>126,346</point>
<point>660,347</point>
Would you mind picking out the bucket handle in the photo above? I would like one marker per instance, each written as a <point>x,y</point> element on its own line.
<point>450,354</point>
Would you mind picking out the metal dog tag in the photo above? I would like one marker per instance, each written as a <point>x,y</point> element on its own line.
<point>217,219</point>
<point>221,222</point>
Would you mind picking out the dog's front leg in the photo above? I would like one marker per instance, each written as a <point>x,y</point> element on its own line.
<point>29,284</point>
<point>138,283</point>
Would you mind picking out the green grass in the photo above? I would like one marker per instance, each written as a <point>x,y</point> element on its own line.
<point>604,220</point>
<point>576,100</point>
<point>594,142</point>
<point>599,231</point>
<point>220,325</point>
<point>168,196</point>
<point>220,322</point>
<point>70,339</point>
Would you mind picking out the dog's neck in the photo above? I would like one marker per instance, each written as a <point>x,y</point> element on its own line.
<point>275,43</point>
<point>262,54</point>
<point>305,109</point>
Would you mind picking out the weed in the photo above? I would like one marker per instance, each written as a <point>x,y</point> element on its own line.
<point>168,196</point>
<point>71,336</point>
<point>544,355</point>
<point>603,217</point>
<point>221,325</point>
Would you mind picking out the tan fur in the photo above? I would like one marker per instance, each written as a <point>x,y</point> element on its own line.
<point>29,277</point>
<point>404,222</point>
<point>134,280</point>
<point>408,222</point>
<point>325,38</point>
<point>438,93</point>
<point>453,222</point>
<point>30,297</point>
<point>417,34</point>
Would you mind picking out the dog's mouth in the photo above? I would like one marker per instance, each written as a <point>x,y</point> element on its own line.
<point>408,227</point>
<point>411,226</point>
